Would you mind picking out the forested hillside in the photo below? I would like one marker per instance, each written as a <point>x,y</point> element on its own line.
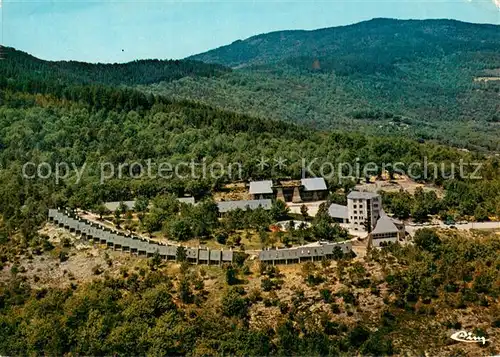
<point>53,112</point>
<point>428,80</point>
<point>20,68</point>
<point>91,125</point>
<point>406,299</point>
<point>371,46</point>
<point>431,80</point>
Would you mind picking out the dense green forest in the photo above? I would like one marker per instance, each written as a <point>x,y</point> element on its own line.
<point>93,124</point>
<point>406,78</point>
<point>403,299</point>
<point>417,79</point>
<point>97,124</point>
<point>24,71</point>
<point>402,40</point>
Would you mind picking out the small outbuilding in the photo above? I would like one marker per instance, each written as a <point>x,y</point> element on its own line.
<point>260,190</point>
<point>314,189</point>
<point>339,213</point>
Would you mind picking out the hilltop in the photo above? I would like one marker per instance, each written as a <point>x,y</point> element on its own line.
<point>378,41</point>
<point>419,79</point>
<point>19,66</point>
<point>431,80</point>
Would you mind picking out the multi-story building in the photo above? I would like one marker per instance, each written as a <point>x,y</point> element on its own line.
<point>364,210</point>
<point>364,213</point>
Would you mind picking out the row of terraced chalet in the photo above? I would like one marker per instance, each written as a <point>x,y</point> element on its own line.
<point>135,245</point>
<point>310,252</point>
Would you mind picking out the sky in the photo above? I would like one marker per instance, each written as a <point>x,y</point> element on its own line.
<point>124,30</point>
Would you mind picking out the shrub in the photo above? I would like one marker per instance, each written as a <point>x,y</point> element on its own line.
<point>347,296</point>
<point>66,242</point>
<point>284,308</point>
<point>231,275</point>
<point>266,284</point>
<point>233,305</point>
<point>427,239</point>
<point>63,256</point>
<point>96,270</point>
<point>245,270</point>
<point>221,238</point>
<point>335,308</point>
<point>254,295</point>
<point>326,295</point>
<point>358,335</point>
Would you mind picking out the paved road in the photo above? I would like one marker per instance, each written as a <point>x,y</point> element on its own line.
<point>467,226</point>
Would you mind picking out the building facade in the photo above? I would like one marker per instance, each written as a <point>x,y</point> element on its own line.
<point>115,240</point>
<point>364,210</point>
<point>314,189</point>
<point>305,190</point>
<point>311,252</point>
<point>387,231</point>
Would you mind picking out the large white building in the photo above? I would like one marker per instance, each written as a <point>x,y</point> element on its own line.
<point>364,213</point>
<point>363,209</point>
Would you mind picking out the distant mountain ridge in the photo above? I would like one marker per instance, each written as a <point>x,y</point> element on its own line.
<point>423,37</point>
<point>423,79</point>
<point>417,78</point>
<point>21,66</point>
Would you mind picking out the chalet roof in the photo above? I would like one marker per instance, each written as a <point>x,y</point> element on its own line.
<point>227,255</point>
<point>314,184</point>
<point>362,195</point>
<point>393,219</point>
<point>261,187</point>
<point>338,211</point>
<point>132,242</point>
<point>398,223</point>
<point>226,206</point>
<point>385,225</point>
<point>316,249</point>
<point>273,254</point>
